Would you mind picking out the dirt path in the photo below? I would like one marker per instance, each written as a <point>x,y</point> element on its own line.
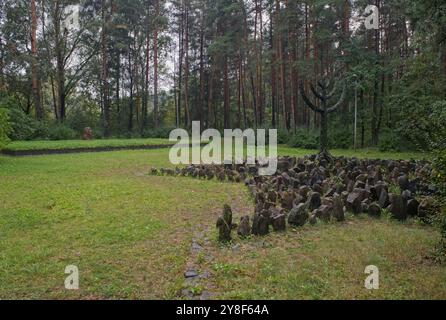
<point>199,282</point>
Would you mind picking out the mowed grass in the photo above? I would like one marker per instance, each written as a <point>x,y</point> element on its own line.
<point>129,143</point>
<point>369,153</point>
<point>130,235</point>
<point>81,144</point>
<point>328,261</point>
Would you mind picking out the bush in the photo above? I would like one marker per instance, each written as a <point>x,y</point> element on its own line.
<point>61,132</point>
<point>304,139</point>
<point>440,252</point>
<point>443,227</point>
<point>4,127</point>
<point>23,127</point>
<point>84,114</point>
<point>389,142</point>
<point>283,136</point>
<point>162,133</point>
<point>340,139</point>
<point>439,172</point>
<point>437,143</point>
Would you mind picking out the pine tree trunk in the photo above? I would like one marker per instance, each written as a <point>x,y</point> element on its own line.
<point>375,132</point>
<point>243,92</point>
<point>210,113</point>
<point>155,67</point>
<point>180,61</point>
<point>104,76</point>
<point>273,73</point>
<point>2,53</point>
<point>35,70</point>
<point>282,66</point>
<point>307,59</point>
<point>227,119</point>
<point>187,119</point>
<point>60,69</point>
<point>147,76</point>
<point>118,86</point>
<point>201,97</point>
<point>239,93</point>
<point>130,71</point>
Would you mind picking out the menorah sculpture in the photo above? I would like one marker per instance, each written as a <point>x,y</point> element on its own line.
<point>324,110</point>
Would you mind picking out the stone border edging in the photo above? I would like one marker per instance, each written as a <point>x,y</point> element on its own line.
<point>42,152</point>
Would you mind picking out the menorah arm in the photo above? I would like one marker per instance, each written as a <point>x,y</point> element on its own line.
<point>332,93</point>
<point>319,96</point>
<point>341,100</point>
<point>307,101</point>
<point>324,84</point>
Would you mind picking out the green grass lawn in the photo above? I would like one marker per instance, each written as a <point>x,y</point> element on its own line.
<point>369,153</point>
<point>75,144</point>
<point>130,234</point>
<point>113,143</point>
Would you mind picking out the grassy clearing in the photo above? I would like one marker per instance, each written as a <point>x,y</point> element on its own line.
<point>76,144</point>
<point>114,143</point>
<point>361,154</point>
<point>328,262</point>
<point>130,235</point>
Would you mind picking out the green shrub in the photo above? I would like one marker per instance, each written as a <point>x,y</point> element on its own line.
<point>61,132</point>
<point>162,133</point>
<point>304,139</point>
<point>41,131</point>
<point>437,143</point>
<point>439,172</point>
<point>23,127</point>
<point>443,228</point>
<point>340,139</point>
<point>390,141</point>
<point>4,127</point>
<point>86,115</point>
<point>283,136</point>
<point>440,252</point>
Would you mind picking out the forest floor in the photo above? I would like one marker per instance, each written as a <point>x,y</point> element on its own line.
<point>133,236</point>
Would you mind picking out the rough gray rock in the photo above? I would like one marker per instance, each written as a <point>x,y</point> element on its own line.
<point>287,200</point>
<point>224,225</point>
<point>412,207</point>
<point>279,222</point>
<point>313,219</point>
<point>324,213</point>
<point>314,201</point>
<point>260,225</point>
<point>338,208</point>
<point>244,229</point>
<point>403,182</point>
<point>398,208</point>
<point>298,216</point>
<point>354,201</point>
<point>375,210</point>
<point>384,200</point>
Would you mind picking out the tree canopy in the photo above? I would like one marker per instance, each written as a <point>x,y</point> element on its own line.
<point>134,67</point>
